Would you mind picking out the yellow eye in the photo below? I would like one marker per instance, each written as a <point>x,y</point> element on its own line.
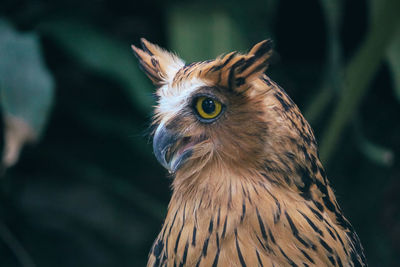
<point>208,108</point>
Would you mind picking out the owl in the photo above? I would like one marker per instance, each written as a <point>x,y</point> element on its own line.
<point>248,186</point>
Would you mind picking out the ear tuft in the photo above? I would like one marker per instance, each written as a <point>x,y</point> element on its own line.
<point>146,64</point>
<point>251,66</point>
<point>236,71</point>
<point>144,46</point>
<point>262,48</point>
<point>158,64</point>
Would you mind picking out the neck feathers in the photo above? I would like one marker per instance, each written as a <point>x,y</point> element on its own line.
<point>235,219</point>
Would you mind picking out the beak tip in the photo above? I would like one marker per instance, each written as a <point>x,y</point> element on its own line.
<point>163,140</point>
<point>175,165</point>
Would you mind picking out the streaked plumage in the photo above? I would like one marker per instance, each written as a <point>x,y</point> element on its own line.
<point>248,188</point>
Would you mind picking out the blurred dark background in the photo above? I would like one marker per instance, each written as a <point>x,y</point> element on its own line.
<point>89,192</point>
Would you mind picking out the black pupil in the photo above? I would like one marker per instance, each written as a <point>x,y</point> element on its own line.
<point>208,105</point>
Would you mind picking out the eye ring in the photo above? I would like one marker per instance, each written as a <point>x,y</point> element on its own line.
<point>207,108</point>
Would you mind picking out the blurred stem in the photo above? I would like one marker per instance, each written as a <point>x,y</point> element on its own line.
<point>359,74</point>
<point>376,153</point>
<point>331,84</point>
<point>393,57</point>
<point>2,137</point>
<point>15,246</point>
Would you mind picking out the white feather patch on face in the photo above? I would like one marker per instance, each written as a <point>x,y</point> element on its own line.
<point>173,67</point>
<point>174,99</point>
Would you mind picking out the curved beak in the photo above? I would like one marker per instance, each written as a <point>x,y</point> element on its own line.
<point>164,141</point>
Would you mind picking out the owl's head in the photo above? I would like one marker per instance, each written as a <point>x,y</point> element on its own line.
<point>216,112</point>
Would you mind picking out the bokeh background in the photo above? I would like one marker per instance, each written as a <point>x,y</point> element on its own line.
<point>86,189</point>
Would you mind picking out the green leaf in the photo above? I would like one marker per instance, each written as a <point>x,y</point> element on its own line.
<point>199,33</point>
<point>26,88</point>
<point>393,57</point>
<point>105,55</point>
<point>26,84</point>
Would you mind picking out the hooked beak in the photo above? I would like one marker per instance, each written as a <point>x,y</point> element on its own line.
<point>171,149</point>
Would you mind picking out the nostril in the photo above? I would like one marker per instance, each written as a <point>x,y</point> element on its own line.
<point>169,153</point>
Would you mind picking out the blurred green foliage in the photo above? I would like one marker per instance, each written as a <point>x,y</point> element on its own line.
<point>91,193</point>
<point>393,56</point>
<point>24,78</point>
<point>189,24</point>
<point>102,54</point>
<point>26,90</point>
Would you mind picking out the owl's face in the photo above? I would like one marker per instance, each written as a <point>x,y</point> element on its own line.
<point>211,112</point>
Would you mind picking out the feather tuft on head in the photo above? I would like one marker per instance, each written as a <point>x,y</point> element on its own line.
<point>158,64</point>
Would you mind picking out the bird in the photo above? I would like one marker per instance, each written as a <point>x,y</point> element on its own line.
<point>248,187</point>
